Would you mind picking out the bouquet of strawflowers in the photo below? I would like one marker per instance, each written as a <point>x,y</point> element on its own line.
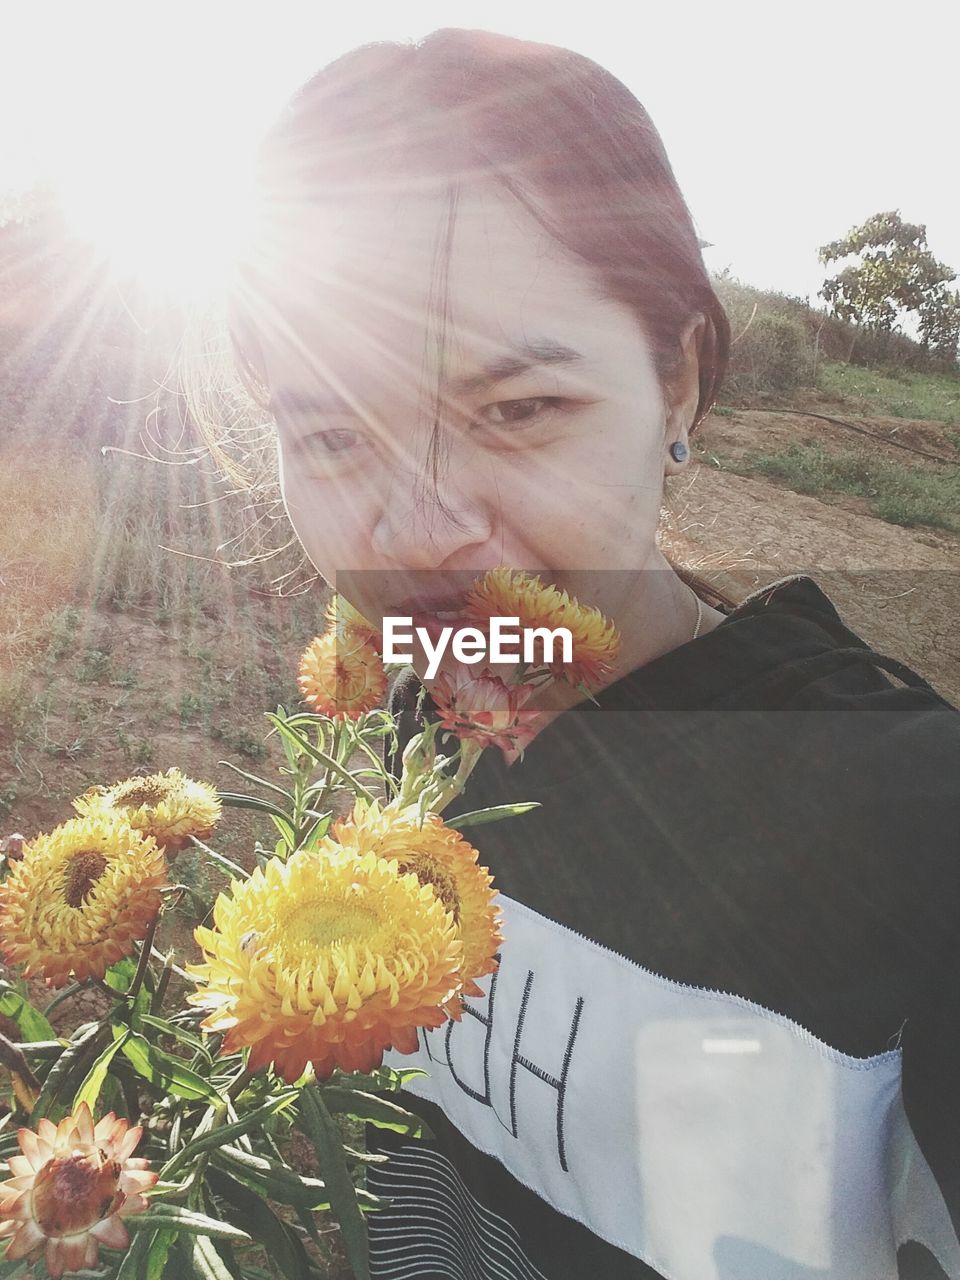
<point>349,934</point>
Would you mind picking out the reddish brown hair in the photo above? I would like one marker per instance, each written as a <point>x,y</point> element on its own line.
<point>562,134</point>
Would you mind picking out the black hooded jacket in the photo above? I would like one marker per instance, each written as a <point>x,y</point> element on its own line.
<point>722,817</point>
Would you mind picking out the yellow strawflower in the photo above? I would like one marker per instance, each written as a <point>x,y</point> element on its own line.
<point>439,857</point>
<point>168,806</point>
<point>80,897</point>
<point>326,959</point>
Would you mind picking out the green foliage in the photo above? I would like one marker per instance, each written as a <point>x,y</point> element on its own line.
<point>771,348</point>
<point>62,628</point>
<point>893,272</point>
<point>8,797</point>
<point>14,703</point>
<point>940,325</point>
<point>94,667</point>
<point>899,495</point>
<point>933,397</point>
<point>761,363</point>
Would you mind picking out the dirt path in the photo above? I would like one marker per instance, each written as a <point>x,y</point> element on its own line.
<point>898,588</point>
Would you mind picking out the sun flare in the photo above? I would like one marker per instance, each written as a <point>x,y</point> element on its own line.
<point>173,230</point>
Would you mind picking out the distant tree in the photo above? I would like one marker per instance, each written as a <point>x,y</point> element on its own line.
<point>940,326</point>
<point>893,272</point>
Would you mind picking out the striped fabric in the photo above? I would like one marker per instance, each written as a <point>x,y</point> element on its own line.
<point>435,1228</point>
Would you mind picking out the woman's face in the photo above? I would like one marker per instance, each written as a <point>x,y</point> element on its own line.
<point>431,428</point>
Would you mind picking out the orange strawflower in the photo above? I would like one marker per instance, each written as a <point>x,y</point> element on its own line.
<point>341,676</point>
<point>483,709</point>
<point>70,1189</point>
<point>511,593</point>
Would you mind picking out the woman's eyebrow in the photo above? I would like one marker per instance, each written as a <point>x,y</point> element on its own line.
<point>529,355</point>
<point>293,402</point>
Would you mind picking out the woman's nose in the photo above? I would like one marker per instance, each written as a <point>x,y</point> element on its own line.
<point>425,521</point>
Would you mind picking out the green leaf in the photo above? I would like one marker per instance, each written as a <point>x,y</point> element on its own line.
<point>157,1254</point>
<point>33,1025</point>
<point>178,1032</point>
<point>376,1111</point>
<point>319,1126</point>
<point>281,1243</point>
<point>147,1255</point>
<point>89,1091</point>
<point>272,1179</point>
<point>289,749</point>
<point>67,1073</point>
<point>321,757</point>
<point>496,811</point>
<point>236,800</point>
<point>285,828</point>
<point>170,1217</point>
<point>382,1080</point>
<point>232,869</point>
<point>135,1259</point>
<point>164,1071</point>
<point>207,1263</point>
<point>226,1133</point>
<point>257,781</point>
<point>316,831</point>
<point>120,975</point>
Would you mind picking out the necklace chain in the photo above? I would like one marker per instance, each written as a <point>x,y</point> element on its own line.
<point>696,630</point>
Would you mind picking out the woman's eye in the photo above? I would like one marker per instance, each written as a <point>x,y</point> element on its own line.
<point>506,413</point>
<point>337,440</point>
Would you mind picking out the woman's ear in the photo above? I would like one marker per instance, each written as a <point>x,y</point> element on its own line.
<point>683,392</point>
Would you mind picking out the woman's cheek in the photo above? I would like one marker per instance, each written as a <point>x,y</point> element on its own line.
<point>325,523</point>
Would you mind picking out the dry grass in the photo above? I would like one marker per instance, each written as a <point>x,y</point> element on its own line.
<point>47,535</point>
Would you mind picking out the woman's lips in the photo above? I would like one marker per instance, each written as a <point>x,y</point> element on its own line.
<point>435,621</point>
<point>432,614</point>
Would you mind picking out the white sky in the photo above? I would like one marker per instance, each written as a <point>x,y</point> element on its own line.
<point>786,124</point>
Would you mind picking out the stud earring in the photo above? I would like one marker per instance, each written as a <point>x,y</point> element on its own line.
<point>679,451</point>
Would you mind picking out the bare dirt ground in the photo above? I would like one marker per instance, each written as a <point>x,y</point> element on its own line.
<point>898,588</point>
<point>191,696</point>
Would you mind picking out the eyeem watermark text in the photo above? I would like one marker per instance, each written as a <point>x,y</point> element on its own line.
<point>504,642</point>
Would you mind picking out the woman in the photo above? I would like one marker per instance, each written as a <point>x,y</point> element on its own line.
<point>478,313</point>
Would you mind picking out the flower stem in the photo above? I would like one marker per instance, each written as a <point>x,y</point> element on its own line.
<point>470,753</point>
<point>162,983</point>
<point>181,973</point>
<point>238,1085</point>
<point>146,946</point>
<point>336,767</point>
<point>107,990</point>
<point>26,1086</point>
<point>232,868</point>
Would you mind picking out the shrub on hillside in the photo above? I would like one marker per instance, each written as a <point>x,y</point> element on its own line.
<point>783,340</point>
<point>771,353</point>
